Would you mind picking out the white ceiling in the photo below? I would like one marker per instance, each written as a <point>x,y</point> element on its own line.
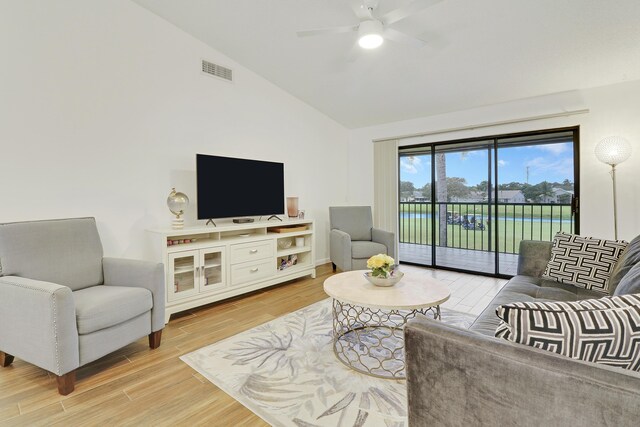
<point>480,52</point>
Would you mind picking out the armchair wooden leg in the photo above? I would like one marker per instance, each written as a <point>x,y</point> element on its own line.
<point>5,359</point>
<point>154,339</point>
<point>334,266</point>
<point>66,382</point>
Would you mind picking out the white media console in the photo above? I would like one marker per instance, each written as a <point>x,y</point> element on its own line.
<point>207,264</point>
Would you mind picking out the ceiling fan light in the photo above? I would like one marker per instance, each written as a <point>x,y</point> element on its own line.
<point>370,34</point>
<point>370,41</point>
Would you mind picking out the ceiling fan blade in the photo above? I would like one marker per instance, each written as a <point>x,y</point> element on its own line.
<point>397,36</point>
<point>333,30</point>
<point>408,10</point>
<point>361,11</point>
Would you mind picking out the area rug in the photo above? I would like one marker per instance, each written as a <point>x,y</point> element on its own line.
<point>285,371</point>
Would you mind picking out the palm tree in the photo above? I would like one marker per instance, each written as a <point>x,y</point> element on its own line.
<point>441,195</point>
<point>545,190</point>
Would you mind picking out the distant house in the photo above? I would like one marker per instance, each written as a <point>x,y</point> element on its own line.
<point>510,196</point>
<point>415,196</point>
<point>419,197</point>
<point>472,197</point>
<point>560,195</point>
<point>478,196</point>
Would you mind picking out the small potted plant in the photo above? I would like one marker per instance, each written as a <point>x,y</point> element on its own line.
<point>383,271</point>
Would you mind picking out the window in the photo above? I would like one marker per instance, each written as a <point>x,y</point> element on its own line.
<point>467,204</point>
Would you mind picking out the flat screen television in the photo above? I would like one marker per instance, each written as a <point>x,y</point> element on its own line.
<point>230,187</point>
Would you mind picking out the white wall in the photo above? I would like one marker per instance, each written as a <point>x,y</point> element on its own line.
<point>613,110</point>
<point>103,108</point>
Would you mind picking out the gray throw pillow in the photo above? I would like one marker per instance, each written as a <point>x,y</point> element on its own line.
<point>584,262</point>
<point>629,258</point>
<point>630,283</point>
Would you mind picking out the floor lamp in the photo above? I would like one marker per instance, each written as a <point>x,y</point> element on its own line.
<point>613,150</point>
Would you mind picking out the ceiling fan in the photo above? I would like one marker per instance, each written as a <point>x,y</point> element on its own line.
<point>374,29</point>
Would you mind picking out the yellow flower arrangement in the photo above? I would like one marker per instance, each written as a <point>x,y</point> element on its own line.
<point>380,265</point>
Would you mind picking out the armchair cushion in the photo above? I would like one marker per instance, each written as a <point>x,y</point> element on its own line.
<point>356,221</point>
<point>66,251</point>
<point>365,250</point>
<point>95,345</point>
<point>100,307</point>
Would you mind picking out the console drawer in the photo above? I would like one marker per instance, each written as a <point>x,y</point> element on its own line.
<point>242,252</point>
<point>250,271</point>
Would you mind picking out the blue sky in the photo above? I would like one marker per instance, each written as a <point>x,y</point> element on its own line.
<point>552,162</point>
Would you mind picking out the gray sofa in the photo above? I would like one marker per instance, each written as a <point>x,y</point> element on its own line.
<point>458,377</point>
<point>63,305</point>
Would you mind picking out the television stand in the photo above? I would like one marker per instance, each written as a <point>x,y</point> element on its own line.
<point>276,217</point>
<point>210,221</point>
<point>206,265</point>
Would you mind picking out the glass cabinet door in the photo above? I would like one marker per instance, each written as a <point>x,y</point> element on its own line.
<point>183,269</point>
<point>212,270</point>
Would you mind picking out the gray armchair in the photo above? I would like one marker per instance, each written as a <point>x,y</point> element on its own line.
<point>353,240</point>
<point>62,305</point>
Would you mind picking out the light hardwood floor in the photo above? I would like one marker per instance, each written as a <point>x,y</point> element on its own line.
<point>138,386</point>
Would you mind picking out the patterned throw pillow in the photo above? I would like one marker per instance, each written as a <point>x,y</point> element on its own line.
<point>584,262</point>
<point>604,330</point>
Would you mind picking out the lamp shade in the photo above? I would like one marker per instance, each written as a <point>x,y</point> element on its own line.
<point>370,34</point>
<point>613,150</point>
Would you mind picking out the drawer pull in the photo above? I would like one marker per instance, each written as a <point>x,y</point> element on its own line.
<point>253,270</point>
<point>253,251</point>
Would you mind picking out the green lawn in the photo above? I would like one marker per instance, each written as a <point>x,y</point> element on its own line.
<point>519,211</point>
<point>511,231</point>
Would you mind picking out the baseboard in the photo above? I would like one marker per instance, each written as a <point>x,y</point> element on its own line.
<point>322,261</point>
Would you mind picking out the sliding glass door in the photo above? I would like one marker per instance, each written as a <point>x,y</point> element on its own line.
<point>537,178</point>
<point>415,209</point>
<point>462,202</point>
<point>466,205</point>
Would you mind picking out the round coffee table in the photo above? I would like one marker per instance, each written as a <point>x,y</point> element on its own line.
<point>368,320</point>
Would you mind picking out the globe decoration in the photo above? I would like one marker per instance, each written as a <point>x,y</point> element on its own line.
<point>177,203</point>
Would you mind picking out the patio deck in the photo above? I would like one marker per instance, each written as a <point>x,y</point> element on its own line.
<point>464,259</point>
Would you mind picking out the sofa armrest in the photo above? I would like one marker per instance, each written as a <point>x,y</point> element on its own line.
<point>38,323</point>
<point>387,238</point>
<point>143,274</point>
<point>459,377</point>
<point>340,249</point>
<point>534,256</point>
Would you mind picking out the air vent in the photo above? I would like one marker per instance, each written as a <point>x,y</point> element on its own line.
<point>217,70</point>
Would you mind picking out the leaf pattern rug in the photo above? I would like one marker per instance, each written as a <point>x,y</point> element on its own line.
<point>286,373</point>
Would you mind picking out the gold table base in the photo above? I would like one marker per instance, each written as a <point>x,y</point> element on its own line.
<point>371,341</point>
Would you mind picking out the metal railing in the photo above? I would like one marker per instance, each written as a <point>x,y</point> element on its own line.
<point>472,225</point>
